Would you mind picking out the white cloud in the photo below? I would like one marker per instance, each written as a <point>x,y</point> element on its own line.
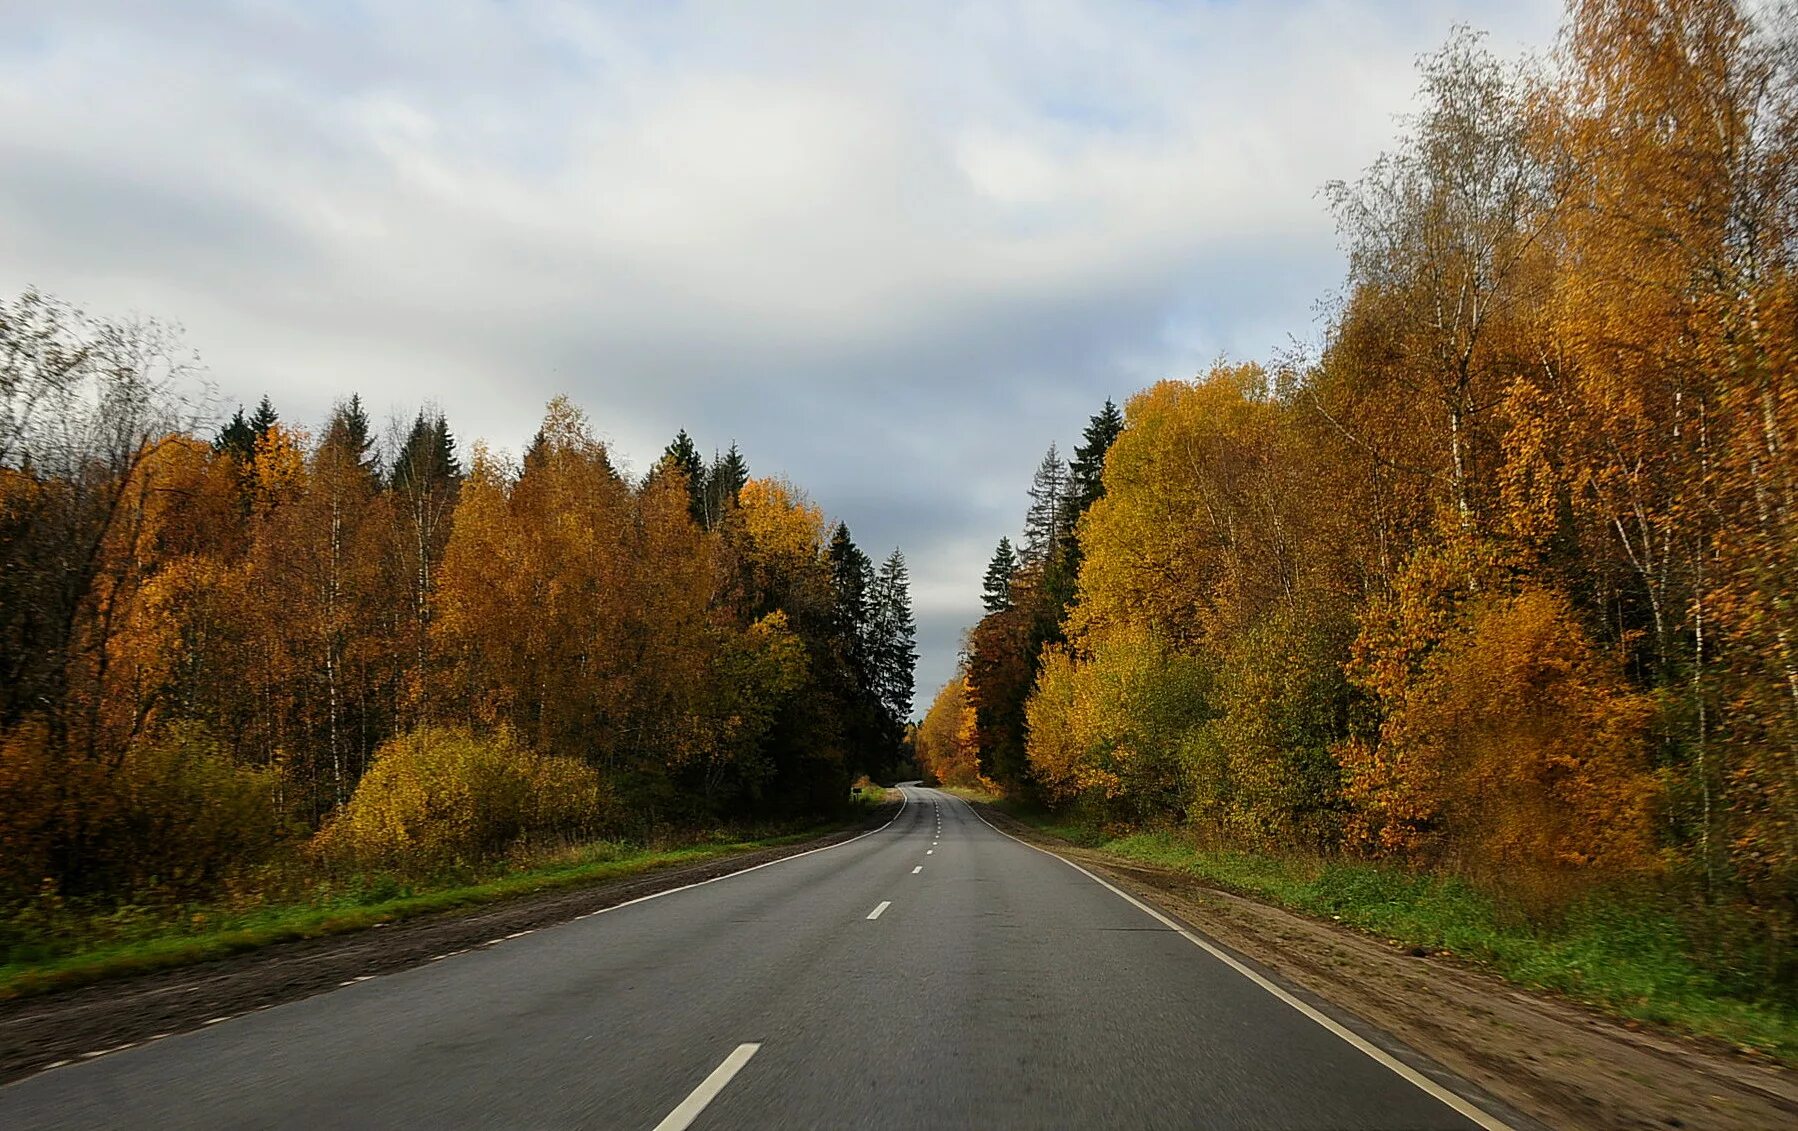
<point>892,249</point>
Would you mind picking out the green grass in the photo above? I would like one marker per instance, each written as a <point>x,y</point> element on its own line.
<point>76,950</point>
<point>1630,954</point>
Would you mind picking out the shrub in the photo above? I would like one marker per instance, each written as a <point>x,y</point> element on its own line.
<point>33,809</point>
<point>175,812</point>
<point>441,795</point>
<point>1521,750</point>
<point>188,814</point>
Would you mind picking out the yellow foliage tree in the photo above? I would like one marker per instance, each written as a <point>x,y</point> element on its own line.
<point>946,748</point>
<point>1112,732</point>
<point>1188,534</point>
<point>781,520</point>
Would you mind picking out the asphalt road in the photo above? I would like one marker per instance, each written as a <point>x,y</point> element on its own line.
<point>934,973</point>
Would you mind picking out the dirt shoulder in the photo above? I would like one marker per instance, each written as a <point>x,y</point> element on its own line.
<point>42,1031</point>
<point>1551,1059</point>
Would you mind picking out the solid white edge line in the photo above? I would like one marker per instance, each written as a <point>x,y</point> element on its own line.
<point>1479,1117</point>
<point>688,1110</point>
<point>884,904</point>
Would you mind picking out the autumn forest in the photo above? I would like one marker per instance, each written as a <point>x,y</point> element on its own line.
<point>1500,582</point>
<point>1495,583</point>
<point>233,652</point>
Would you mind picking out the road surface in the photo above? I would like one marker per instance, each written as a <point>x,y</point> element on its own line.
<point>933,973</point>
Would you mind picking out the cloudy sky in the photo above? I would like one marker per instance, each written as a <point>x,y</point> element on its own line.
<point>892,250</point>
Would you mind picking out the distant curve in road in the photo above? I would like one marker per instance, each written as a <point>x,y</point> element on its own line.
<point>932,973</point>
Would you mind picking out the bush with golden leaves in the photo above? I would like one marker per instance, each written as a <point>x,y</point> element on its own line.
<point>441,795</point>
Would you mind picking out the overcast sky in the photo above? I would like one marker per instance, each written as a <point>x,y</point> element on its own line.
<point>892,250</point>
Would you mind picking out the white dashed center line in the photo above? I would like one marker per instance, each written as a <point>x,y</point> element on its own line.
<point>683,1116</point>
<point>918,869</point>
<point>875,914</point>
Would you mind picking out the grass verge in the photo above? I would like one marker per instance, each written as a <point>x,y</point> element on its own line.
<point>1628,954</point>
<point>337,908</point>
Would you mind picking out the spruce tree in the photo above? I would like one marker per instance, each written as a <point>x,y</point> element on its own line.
<point>347,433</point>
<point>237,438</point>
<point>682,455</point>
<point>443,448</point>
<point>724,483</point>
<point>731,472</point>
<point>852,582</point>
<point>997,595</point>
<point>264,419</point>
<point>895,632</point>
<point>1085,485</point>
<point>1043,523</point>
<point>534,451</point>
<point>240,437</point>
<point>427,459</point>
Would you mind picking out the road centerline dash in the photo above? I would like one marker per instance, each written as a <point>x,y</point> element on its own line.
<point>688,1110</point>
<point>884,904</point>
